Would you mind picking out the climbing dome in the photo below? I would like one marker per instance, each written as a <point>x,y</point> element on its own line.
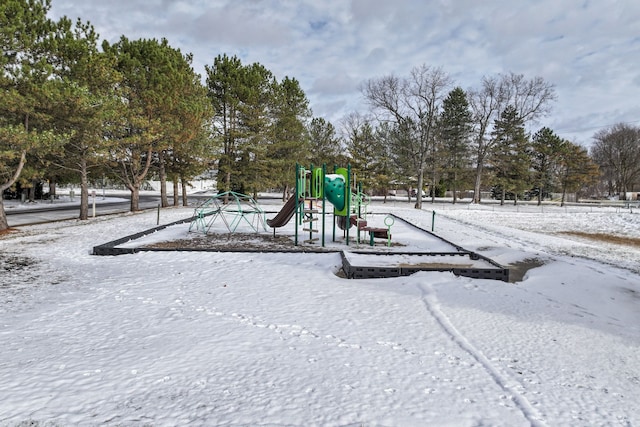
<point>230,208</point>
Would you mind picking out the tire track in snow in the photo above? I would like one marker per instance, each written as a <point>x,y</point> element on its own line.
<point>432,305</point>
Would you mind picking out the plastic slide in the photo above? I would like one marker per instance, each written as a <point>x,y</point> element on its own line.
<point>354,220</point>
<point>285,214</point>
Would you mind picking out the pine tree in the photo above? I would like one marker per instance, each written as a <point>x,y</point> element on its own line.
<point>225,87</point>
<point>546,149</point>
<point>152,75</point>
<point>511,159</point>
<point>454,131</point>
<point>324,146</point>
<point>27,91</point>
<point>289,144</point>
<point>87,77</point>
<point>363,148</point>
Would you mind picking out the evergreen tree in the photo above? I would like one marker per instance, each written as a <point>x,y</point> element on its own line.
<point>27,89</point>
<point>184,150</point>
<point>455,127</point>
<point>88,104</point>
<point>242,98</point>
<point>225,87</point>
<point>546,152</point>
<point>511,160</point>
<point>363,149</point>
<point>290,114</point>
<point>152,72</point>
<point>190,150</point>
<point>324,146</point>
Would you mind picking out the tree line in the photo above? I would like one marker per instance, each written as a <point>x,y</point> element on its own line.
<point>74,111</point>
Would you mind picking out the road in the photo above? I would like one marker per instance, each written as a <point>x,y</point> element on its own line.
<point>44,212</point>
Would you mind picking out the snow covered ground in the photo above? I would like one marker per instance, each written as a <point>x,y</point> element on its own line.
<point>177,338</point>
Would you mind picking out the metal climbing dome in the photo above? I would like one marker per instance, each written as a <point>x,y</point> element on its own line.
<point>232,209</point>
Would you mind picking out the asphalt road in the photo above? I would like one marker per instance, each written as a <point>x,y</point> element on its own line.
<point>42,212</point>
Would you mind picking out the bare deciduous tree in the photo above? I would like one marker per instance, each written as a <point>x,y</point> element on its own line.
<point>531,99</point>
<point>617,152</point>
<point>412,103</point>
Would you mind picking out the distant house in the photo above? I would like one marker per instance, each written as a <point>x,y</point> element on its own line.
<point>630,195</point>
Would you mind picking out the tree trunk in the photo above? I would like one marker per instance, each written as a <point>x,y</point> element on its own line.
<point>176,197</point>
<point>84,191</point>
<point>455,187</point>
<point>433,193</point>
<point>185,202</point>
<point>227,185</point>
<point>476,187</point>
<point>418,204</point>
<point>135,197</point>
<point>164,202</point>
<point>52,189</point>
<point>540,196</point>
<point>3,216</point>
<point>32,191</point>
<point>503,195</point>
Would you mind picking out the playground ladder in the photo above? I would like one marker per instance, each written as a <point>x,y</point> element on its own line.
<point>310,211</point>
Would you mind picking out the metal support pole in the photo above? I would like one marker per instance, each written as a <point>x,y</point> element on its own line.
<point>297,203</point>
<point>348,201</point>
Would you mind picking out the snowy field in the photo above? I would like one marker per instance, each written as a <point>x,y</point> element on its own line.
<point>264,339</point>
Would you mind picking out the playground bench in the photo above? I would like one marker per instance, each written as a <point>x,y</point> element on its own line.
<point>377,233</point>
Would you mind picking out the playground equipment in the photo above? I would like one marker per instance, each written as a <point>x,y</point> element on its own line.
<point>379,232</point>
<point>232,209</point>
<point>314,187</point>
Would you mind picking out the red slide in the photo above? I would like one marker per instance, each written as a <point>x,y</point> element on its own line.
<point>285,214</point>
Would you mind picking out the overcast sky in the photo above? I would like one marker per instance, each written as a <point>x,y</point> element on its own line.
<point>588,49</point>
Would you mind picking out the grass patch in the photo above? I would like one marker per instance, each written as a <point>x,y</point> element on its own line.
<point>607,238</point>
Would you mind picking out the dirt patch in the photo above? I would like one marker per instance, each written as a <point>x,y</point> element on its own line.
<point>228,242</point>
<point>8,231</point>
<point>248,242</point>
<point>519,269</point>
<point>14,263</point>
<point>19,275</point>
<point>607,238</point>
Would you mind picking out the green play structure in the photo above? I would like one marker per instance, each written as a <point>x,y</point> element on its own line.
<point>230,208</point>
<point>314,187</point>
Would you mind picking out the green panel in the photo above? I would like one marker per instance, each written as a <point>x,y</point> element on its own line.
<point>335,188</point>
<point>300,181</point>
<point>316,185</point>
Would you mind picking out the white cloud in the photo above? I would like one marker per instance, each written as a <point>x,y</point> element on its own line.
<point>589,50</point>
